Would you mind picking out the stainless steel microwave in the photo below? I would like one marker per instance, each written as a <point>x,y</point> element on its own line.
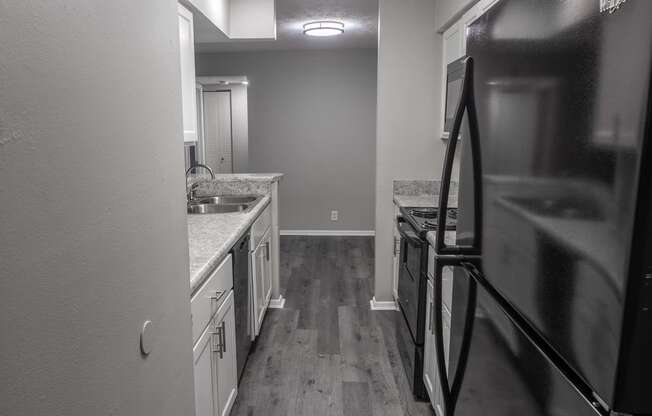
<point>454,78</point>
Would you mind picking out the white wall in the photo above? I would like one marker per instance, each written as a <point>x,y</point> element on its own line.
<point>218,12</point>
<point>240,122</point>
<point>90,142</point>
<point>220,20</point>
<point>312,116</point>
<point>408,145</point>
<point>253,19</point>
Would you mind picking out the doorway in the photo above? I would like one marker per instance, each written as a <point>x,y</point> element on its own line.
<point>218,130</point>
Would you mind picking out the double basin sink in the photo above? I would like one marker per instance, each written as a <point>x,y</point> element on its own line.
<point>222,204</point>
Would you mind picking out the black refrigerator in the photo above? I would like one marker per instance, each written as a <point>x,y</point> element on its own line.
<point>552,288</point>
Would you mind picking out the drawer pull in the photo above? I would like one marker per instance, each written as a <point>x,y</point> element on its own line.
<point>219,346</point>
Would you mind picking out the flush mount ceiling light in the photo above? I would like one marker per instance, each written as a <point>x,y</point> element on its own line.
<point>323,28</point>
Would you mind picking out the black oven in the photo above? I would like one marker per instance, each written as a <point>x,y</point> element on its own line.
<point>454,77</point>
<point>411,281</point>
<point>410,322</point>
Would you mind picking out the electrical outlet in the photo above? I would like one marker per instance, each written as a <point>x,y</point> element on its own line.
<point>334,215</point>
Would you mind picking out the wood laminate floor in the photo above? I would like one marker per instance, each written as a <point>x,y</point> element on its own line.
<point>326,353</point>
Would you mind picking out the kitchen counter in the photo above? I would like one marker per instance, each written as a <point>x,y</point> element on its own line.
<point>211,236</point>
<point>421,193</point>
<point>236,184</point>
<point>449,238</point>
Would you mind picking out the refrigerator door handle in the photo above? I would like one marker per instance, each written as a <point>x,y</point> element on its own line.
<point>466,103</point>
<point>451,386</point>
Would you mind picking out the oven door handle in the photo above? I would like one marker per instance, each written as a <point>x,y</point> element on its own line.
<point>407,232</point>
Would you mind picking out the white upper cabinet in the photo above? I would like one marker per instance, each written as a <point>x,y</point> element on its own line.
<point>187,59</point>
<point>469,17</point>
<point>454,46</point>
<point>454,38</point>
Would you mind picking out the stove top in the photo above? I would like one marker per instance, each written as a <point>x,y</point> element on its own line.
<point>424,219</point>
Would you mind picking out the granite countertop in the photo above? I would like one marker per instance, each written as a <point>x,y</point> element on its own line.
<point>449,237</point>
<point>211,236</point>
<point>421,193</point>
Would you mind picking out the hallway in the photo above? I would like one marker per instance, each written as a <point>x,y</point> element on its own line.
<point>326,353</point>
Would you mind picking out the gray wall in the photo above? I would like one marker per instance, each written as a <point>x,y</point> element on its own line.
<point>409,86</point>
<point>312,116</point>
<point>90,141</point>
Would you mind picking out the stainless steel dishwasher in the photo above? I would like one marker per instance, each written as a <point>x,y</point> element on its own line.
<point>240,253</point>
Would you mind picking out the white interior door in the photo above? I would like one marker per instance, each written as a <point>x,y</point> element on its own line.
<point>218,135</point>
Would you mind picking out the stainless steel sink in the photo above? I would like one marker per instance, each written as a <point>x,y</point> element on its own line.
<point>229,199</point>
<point>222,204</point>
<point>216,208</point>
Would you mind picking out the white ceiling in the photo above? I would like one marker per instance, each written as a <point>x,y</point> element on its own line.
<point>360,18</point>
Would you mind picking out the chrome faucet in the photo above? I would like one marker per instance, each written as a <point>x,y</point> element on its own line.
<point>190,190</point>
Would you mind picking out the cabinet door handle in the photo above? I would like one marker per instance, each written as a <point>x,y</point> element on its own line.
<point>431,318</point>
<point>218,294</point>
<point>267,250</point>
<point>215,298</point>
<point>217,347</point>
<point>223,332</point>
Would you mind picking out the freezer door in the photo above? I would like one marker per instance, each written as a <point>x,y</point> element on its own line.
<point>505,373</point>
<point>561,92</point>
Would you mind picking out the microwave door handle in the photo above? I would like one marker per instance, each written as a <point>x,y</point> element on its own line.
<point>451,387</point>
<point>466,103</point>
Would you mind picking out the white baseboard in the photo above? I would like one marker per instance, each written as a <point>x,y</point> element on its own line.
<point>352,233</point>
<point>277,303</point>
<point>382,306</point>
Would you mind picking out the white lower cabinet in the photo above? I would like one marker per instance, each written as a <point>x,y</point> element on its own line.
<point>205,375</point>
<point>214,355</point>
<point>396,264</point>
<point>227,373</point>
<point>261,273</point>
<point>430,372</point>
<point>429,357</point>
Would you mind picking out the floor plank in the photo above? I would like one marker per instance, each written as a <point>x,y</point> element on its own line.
<point>326,353</point>
<point>356,400</point>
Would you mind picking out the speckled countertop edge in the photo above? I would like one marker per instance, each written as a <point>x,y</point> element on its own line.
<point>265,177</point>
<point>235,177</point>
<point>211,236</point>
<point>415,200</point>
